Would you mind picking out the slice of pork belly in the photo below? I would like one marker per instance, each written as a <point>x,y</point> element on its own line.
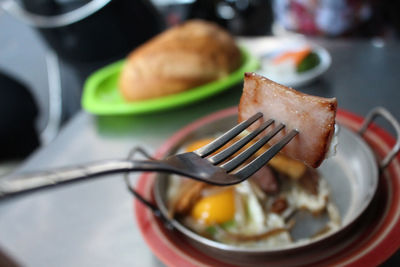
<point>312,116</point>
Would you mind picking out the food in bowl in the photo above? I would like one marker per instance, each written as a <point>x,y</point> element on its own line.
<point>185,56</point>
<point>352,177</point>
<point>258,212</point>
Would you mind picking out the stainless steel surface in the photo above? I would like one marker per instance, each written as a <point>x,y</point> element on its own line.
<point>352,175</point>
<point>92,223</point>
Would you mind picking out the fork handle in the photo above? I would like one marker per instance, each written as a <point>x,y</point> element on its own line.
<point>38,180</point>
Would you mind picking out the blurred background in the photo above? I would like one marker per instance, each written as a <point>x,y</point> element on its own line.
<point>49,47</point>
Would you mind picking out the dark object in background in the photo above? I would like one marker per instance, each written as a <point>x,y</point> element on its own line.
<point>385,18</point>
<point>7,261</point>
<point>108,32</point>
<point>239,17</point>
<point>87,35</point>
<point>18,112</point>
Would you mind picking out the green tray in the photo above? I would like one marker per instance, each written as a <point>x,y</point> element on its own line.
<point>101,94</point>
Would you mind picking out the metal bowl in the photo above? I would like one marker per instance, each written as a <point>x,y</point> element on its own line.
<point>352,175</point>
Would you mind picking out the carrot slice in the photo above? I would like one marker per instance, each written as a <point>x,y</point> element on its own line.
<point>296,56</point>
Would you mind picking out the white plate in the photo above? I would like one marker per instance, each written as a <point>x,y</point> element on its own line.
<point>290,78</point>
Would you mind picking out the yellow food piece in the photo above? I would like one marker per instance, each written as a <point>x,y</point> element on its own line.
<point>216,208</point>
<point>198,144</point>
<point>293,168</point>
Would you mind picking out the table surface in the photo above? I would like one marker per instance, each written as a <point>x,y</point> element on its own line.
<point>92,223</point>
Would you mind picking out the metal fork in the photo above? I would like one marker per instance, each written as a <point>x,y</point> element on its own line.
<point>201,164</point>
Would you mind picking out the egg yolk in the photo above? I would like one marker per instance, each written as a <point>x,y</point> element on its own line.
<point>216,208</point>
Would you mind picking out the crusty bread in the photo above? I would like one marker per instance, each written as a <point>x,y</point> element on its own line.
<point>185,56</point>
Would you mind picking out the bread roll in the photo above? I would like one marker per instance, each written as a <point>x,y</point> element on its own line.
<point>178,59</point>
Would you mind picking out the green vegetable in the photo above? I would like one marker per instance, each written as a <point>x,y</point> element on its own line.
<point>228,224</point>
<point>211,230</point>
<point>309,62</point>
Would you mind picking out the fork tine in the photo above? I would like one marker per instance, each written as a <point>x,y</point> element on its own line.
<point>261,160</point>
<point>227,136</point>
<point>243,156</point>
<point>229,151</point>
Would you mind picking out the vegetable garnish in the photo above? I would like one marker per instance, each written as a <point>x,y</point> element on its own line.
<point>303,59</point>
<point>296,56</point>
<point>309,62</point>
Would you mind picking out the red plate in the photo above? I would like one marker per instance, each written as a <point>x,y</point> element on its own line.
<point>378,235</point>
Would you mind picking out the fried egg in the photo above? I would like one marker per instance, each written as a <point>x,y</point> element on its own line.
<point>216,208</point>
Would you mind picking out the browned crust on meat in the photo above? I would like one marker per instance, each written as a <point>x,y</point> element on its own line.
<point>322,100</point>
